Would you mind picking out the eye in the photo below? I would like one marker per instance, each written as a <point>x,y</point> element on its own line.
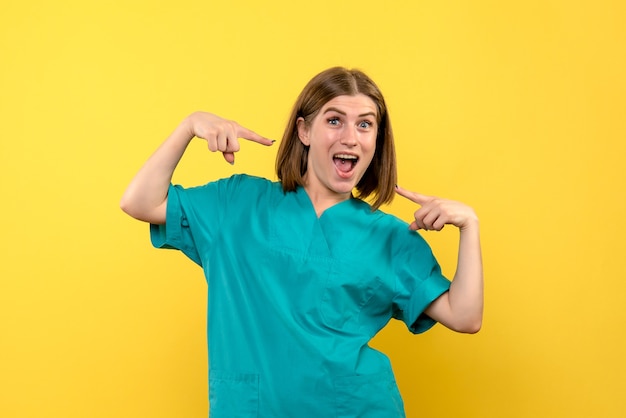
<point>365,124</point>
<point>333,121</point>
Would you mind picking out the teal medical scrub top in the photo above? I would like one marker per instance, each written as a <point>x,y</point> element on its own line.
<point>293,299</point>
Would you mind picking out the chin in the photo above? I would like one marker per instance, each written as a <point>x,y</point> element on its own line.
<point>344,188</point>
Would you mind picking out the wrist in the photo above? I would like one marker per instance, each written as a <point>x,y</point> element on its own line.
<point>470,224</point>
<point>187,125</point>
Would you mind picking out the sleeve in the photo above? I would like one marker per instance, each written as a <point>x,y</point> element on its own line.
<point>419,283</point>
<point>174,233</point>
<point>192,220</point>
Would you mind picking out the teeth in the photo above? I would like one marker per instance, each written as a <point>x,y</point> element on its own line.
<point>345,157</point>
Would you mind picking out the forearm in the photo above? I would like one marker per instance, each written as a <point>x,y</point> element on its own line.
<point>146,196</point>
<point>466,291</point>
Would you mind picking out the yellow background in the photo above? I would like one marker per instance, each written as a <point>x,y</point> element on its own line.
<point>517,108</point>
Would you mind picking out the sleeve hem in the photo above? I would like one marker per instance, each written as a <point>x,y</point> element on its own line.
<point>421,299</point>
<point>171,234</point>
<point>165,235</point>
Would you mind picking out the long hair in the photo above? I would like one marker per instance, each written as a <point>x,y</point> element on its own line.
<point>380,178</point>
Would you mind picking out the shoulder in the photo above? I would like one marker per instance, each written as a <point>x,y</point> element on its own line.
<point>244,187</point>
<point>245,180</point>
<point>237,183</point>
<point>397,230</point>
<point>379,218</point>
<point>236,189</point>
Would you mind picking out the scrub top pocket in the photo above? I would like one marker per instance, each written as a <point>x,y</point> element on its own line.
<point>368,396</point>
<point>233,395</point>
<point>347,292</point>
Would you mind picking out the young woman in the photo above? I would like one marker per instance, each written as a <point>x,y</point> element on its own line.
<point>303,272</point>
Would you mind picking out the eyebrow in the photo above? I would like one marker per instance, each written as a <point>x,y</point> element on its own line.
<point>341,112</point>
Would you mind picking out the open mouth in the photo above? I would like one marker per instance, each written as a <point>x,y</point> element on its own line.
<point>345,162</point>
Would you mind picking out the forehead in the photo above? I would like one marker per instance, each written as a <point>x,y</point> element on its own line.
<point>358,104</point>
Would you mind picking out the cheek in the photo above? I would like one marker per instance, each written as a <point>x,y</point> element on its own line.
<point>318,134</point>
<point>331,135</point>
<point>369,144</point>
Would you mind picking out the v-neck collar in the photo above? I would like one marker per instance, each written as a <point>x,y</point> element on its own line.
<point>305,201</point>
<point>298,229</point>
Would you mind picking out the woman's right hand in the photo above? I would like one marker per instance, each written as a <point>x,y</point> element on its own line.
<point>222,134</point>
<point>145,197</point>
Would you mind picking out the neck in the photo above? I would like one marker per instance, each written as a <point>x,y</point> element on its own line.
<point>322,198</point>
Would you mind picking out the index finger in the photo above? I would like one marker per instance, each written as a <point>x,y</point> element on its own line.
<point>418,198</point>
<point>246,133</point>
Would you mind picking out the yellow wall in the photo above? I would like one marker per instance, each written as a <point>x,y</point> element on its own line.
<point>516,108</point>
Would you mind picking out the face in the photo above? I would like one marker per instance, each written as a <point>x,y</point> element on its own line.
<point>342,142</point>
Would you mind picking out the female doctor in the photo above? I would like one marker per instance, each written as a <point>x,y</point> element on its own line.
<point>302,272</point>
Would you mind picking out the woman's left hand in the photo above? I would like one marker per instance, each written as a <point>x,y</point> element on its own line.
<point>435,212</point>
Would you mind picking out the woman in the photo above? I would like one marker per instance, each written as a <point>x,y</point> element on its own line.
<point>302,274</point>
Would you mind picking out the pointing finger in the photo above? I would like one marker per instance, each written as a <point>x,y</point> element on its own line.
<point>246,133</point>
<point>418,198</point>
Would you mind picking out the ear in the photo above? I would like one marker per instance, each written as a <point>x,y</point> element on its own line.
<point>303,131</point>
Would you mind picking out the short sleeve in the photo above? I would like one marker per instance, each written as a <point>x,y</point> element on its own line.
<point>196,216</point>
<point>419,283</point>
<point>175,233</point>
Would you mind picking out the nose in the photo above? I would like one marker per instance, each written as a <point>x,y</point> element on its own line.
<point>349,136</point>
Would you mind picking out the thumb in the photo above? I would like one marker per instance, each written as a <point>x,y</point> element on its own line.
<point>229,157</point>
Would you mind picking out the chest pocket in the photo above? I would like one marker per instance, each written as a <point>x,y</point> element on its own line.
<point>350,294</point>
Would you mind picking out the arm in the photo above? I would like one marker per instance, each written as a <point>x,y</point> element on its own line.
<point>146,196</point>
<point>461,308</point>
